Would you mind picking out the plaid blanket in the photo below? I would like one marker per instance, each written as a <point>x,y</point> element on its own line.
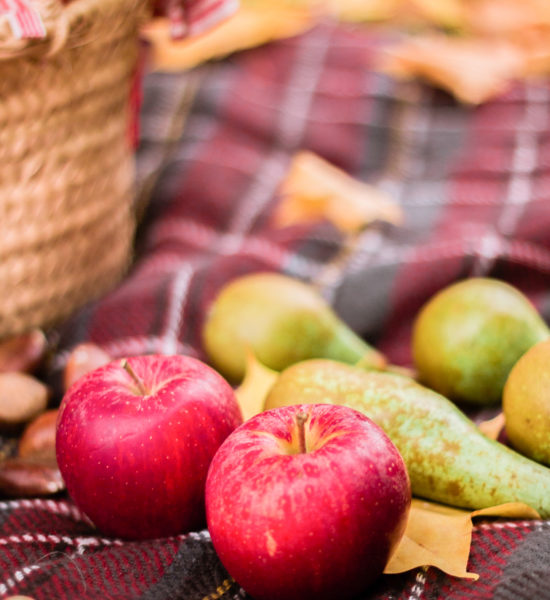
<point>474,184</point>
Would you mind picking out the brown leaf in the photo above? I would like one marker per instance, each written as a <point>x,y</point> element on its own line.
<point>314,189</point>
<point>441,536</point>
<point>27,477</point>
<point>23,352</point>
<point>255,386</point>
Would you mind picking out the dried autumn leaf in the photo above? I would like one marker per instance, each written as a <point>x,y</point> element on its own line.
<point>472,69</point>
<point>505,17</point>
<point>359,10</point>
<point>536,49</point>
<point>314,189</point>
<point>253,390</point>
<point>493,427</point>
<point>440,536</point>
<point>444,13</point>
<point>253,24</point>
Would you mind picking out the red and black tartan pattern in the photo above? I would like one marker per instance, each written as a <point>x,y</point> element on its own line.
<point>474,184</point>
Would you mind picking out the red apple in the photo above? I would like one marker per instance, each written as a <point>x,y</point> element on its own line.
<point>134,441</point>
<point>307,501</point>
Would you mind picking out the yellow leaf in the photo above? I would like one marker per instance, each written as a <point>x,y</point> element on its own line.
<point>313,190</point>
<point>256,384</point>
<point>472,69</point>
<point>505,17</point>
<point>252,25</point>
<point>440,536</point>
<point>363,10</point>
<point>492,427</point>
<point>446,13</point>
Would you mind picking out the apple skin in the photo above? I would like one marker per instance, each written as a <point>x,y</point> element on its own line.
<point>320,524</point>
<point>136,464</point>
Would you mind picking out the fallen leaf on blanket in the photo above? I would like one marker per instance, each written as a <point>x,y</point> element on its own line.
<point>440,536</point>
<point>506,17</point>
<point>255,23</point>
<point>314,189</point>
<point>444,13</point>
<point>492,428</point>
<point>472,69</point>
<point>360,11</point>
<point>256,384</point>
<point>500,41</point>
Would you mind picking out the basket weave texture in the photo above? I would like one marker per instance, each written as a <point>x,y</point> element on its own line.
<point>66,161</point>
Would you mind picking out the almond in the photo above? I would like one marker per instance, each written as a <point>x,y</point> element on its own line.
<point>22,398</point>
<point>38,438</point>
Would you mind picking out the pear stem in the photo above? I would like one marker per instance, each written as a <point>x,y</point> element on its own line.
<point>142,389</point>
<point>301,420</point>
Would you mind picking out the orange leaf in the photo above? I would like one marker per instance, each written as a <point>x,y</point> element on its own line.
<point>447,13</point>
<point>505,17</point>
<point>256,384</point>
<point>492,427</point>
<point>253,24</point>
<point>472,69</point>
<point>440,536</point>
<point>359,10</point>
<point>314,190</point>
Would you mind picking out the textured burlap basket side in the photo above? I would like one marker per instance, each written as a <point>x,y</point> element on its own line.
<point>66,161</point>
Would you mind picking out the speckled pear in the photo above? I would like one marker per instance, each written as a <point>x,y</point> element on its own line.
<point>448,459</point>
<point>281,320</point>
<point>469,335</point>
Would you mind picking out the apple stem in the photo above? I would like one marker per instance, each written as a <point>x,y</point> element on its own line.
<point>137,380</point>
<point>301,420</point>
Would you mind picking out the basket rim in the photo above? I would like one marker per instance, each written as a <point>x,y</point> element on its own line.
<point>68,25</point>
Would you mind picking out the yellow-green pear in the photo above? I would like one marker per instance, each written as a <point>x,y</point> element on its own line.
<point>526,403</point>
<point>469,335</point>
<point>280,320</point>
<point>448,459</point>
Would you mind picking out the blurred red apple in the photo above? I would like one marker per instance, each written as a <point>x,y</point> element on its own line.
<point>134,441</point>
<point>307,501</point>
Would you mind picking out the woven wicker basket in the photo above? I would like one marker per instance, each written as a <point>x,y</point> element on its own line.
<point>66,161</point>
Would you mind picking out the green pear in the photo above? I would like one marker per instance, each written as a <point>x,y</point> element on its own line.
<point>280,320</point>
<point>469,335</point>
<point>448,459</point>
